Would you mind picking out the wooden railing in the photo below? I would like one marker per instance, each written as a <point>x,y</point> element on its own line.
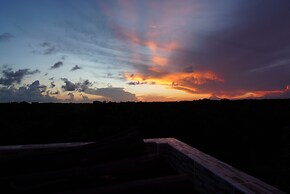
<point>208,174</point>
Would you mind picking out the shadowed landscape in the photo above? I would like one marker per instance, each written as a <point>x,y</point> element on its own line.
<point>119,96</point>
<point>251,135</point>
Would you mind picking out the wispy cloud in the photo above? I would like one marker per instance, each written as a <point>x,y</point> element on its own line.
<point>6,36</point>
<point>47,48</point>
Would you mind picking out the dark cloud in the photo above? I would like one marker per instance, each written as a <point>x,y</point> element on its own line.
<point>79,86</point>
<point>69,86</point>
<point>57,65</point>
<point>34,92</point>
<point>83,86</point>
<point>113,94</point>
<point>134,83</point>
<point>6,36</point>
<point>10,77</point>
<point>52,85</point>
<point>76,67</point>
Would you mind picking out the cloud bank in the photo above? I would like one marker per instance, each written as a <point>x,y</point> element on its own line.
<point>10,77</point>
<point>34,92</point>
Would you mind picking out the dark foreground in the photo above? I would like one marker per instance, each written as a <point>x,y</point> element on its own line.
<point>252,135</point>
<point>123,164</point>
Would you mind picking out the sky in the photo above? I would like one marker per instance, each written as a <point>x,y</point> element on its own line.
<point>143,50</point>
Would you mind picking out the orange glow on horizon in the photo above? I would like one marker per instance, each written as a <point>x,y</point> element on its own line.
<point>235,95</point>
<point>150,93</point>
<point>176,82</point>
<point>176,79</point>
<point>258,94</point>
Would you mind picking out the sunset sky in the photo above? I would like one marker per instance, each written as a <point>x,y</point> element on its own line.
<point>143,50</point>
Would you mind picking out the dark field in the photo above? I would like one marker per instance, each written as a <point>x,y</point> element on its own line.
<point>251,135</point>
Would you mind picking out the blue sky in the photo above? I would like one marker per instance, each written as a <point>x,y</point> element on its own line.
<point>149,50</point>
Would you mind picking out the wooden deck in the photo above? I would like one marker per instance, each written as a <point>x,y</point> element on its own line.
<point>125,164</point>
<point>89,168</point>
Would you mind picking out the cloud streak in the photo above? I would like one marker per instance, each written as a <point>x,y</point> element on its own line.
<point>233,50</point>
<point>225,49</point>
